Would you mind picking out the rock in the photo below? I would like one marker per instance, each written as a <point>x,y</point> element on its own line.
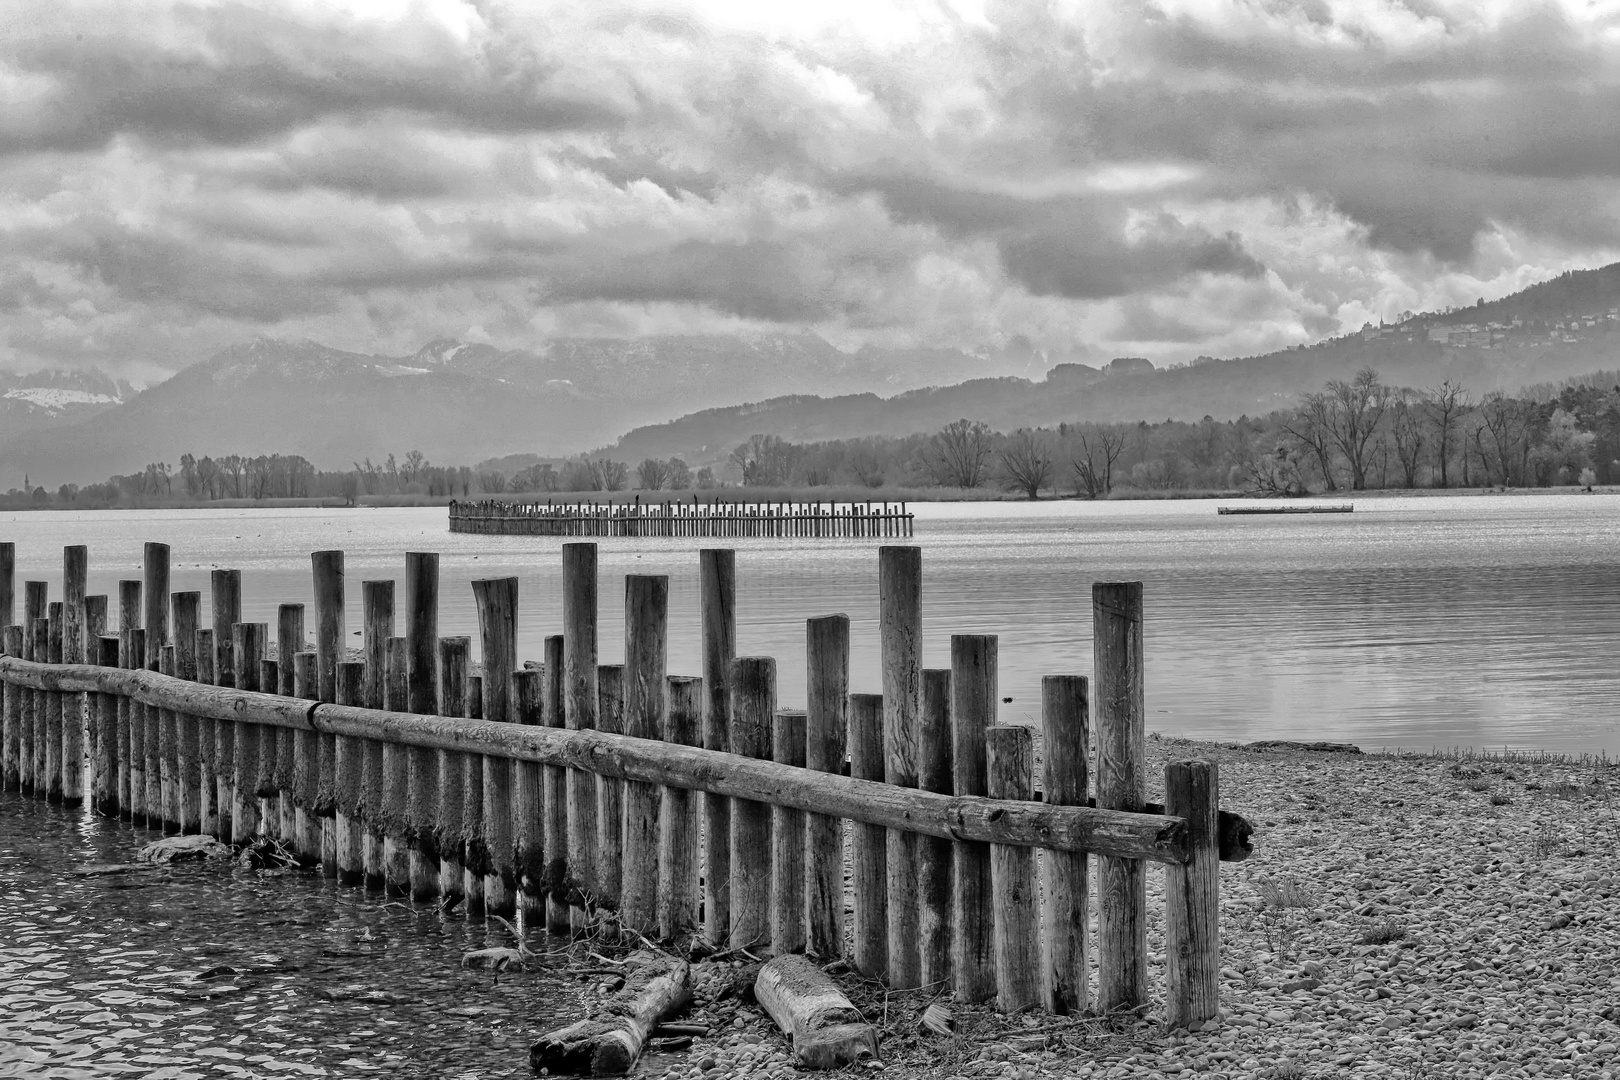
<point>495,959</point>
<point>173,849</point>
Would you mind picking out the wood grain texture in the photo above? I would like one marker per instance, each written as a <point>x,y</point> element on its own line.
<point>1121,884</point>
<point>1192,897</point>
<point>868,843</point>
<point>717,589</point>
<point>753,707</point>
<point>1065,875</point>
<point>646,652</point>
<point>1010,768</point>
<point>826,738</point>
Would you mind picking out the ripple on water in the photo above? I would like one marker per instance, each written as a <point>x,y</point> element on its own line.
<point>99,975</point>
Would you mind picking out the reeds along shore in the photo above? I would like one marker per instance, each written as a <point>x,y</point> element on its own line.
<point>712,519</point>
<point>596,798</point>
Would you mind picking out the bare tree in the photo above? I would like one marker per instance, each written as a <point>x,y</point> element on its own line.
<point>765,461</point>
<point>492,482</point>
<point>1503,438</point>
<point>1407,428</point>
<point>1445,406</point>
<point>652,474</point>
<point>959,453</point>
<point>1357,407</point>
<point>1026,462</point>
<point>609,475</point>
<point>680,474</point>
<point>1311,429</point>
<point>1101,445</point>
<point>1276,473</point>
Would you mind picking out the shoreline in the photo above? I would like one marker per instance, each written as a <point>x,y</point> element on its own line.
<point>823,495</point>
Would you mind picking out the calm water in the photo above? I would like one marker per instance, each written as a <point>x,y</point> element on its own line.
<point>1483,621</point>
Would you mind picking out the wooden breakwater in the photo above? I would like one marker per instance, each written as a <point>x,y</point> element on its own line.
<point>713,519</point>
<point>602,798</point>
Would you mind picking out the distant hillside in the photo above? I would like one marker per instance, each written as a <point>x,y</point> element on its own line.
<point>1572,293</point>
<point>43,399</point>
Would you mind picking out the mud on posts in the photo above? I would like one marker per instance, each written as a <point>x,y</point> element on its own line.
<point>694,810</point>
<point>713,519</point>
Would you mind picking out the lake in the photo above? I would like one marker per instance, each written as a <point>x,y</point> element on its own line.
<point>1482,621</point>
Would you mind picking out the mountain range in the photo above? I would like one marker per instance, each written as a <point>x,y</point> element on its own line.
<point>698,396</point>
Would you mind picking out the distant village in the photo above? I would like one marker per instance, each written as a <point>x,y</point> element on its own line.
<point>1527,333</point>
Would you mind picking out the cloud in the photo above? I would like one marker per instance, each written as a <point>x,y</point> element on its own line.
<point>1159,177</point>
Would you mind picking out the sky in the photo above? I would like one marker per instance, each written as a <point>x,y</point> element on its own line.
<point>1160,178</point>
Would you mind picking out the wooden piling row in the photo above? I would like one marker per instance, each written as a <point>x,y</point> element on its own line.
<point>738,520</point>
<point>577,843</point>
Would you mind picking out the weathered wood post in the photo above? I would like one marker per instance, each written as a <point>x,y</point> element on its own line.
<point>54,708</point>
<point>717,585</point>
<point>454,659</point>
<point>225,604</point>
<point>1010,766</point>
<point>289,643</point>
<point>8,584</point>
<point>753,709</point>
<point>609,791</point>
<point>269,784</point>
<point>168,751</point>
<point>247,652</point>
<point>422,628</point>
<point>156,575</point>
<point>646,623</point>
<point>309,807</point>
<point>827,727</point>
<point>528,807</point>
<point>1192,915</point>
<point>1065,875</point>
<point>75,570</point>
<point>579,713</point>
<point>35,604</point>
<point>900,629</point>
<point>787,842</point>
<point>973,712</point>
<point>330,636</point>
<point>186,609</point>
<point>869,844</point>
<point>555,790</point>
<point>377,626</point>
<point>105,793</point>
<point>11,639</point>
<point>474,855</point>
<point>678,818</point>
<point>396,774</point>
<point>208,770</point>
<point>1122,883</point>
<point>348,766</point>
<point>497,600</point>
<point>934,870</point>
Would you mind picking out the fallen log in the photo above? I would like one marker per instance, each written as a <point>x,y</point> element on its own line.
<point>608,1043</point>
<point>828,1032</point>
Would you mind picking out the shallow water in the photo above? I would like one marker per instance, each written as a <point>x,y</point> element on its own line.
<point>211,970</point>
<point>1483,621</point>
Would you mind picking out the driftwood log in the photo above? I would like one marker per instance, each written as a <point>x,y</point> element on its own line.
<point>828,1032</point>
<point>609,1042</point>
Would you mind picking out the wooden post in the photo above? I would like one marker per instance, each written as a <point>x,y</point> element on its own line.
<point>396,773</point>
<point>753,708</point>
<point>330,636</point>
<point>609,792</point>
<point>1121,883</point>
<point>156,566</point>
<point>53,707</point>
<point>208,769</point>
<point>555,791</point>
<point>11,720</point>
<point>309,808</point>
<point>168,758</point>
<point>497,600</point>
<point>869,843</point>
<point>186,609</point>
<point>1192,915</point>
<point>827,727</point>
<point>35,604</point>
<point>973,711</point>
<point>1065,875</point>
<point>1010,765</point>
<point>474,855</point>
<point>226,611</point>
<point>247,650</point>
<point>717,584</point>
<point>678,818</point>
<point>579,713</point>
<point>106,706</point>
<point>268,786</point>
<point>8,584</point>
<point>348,774</point>
<point>454,658</point>
<point>422,628</point>
<point>900,628</point>
<point>377,626</point>
<point>646,622</point>
<point>787,842</point>
<point>75,569</point>
<point>934,871</point>
<point>289,643</point>
<point>528,809</point>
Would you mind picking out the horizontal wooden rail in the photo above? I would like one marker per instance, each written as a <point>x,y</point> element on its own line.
<point>1118,834</point>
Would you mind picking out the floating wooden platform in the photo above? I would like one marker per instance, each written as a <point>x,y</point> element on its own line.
<point>852,520</point>
<point>1341,508</point>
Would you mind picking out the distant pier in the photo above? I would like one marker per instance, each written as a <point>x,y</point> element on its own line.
<point>1340,508</point>
<point>850,520</point>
